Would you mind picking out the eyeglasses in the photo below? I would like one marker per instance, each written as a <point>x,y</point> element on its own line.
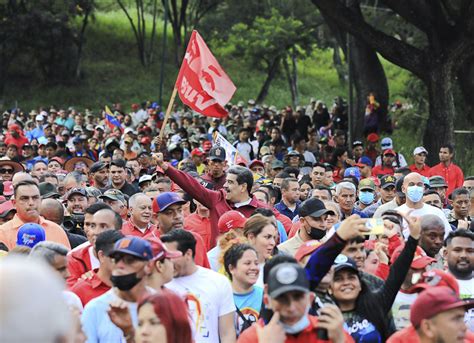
<point>6,171</point>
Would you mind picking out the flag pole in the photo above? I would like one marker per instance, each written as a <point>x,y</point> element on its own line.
<point>168,111</point>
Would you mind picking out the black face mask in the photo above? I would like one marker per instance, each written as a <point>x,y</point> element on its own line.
<point>125,282</point>
<point>316,234</point>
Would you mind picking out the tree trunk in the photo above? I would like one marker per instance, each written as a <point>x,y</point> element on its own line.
<point>338,65</point>
<point>439,128</point>
<point>290,76</point>
<point>368,76</point>
<point>272,71</point>
<point>466,84</point>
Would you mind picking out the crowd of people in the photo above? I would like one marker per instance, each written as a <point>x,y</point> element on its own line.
<point>111,232</point>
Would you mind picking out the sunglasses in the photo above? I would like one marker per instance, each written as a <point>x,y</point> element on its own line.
<point>6,171</point>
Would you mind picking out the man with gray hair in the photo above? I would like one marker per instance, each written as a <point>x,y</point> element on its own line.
<point>432,238</point>
<point>346,195</point>
<point>140,213</point>
<point>33,297</point>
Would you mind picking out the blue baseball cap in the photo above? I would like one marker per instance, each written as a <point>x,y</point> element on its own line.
<point>166,199</point>
<point>364,161</point>
<point>133,246</point>
<point>352,171</point>
<point>30,234</point>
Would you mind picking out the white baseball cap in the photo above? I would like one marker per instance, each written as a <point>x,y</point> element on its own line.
<point>386,143</point>
<point>39,117</point>
<point>419,150</point>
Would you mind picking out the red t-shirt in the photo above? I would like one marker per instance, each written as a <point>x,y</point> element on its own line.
<point>88,289</point>
<point>129,229</point>
<point>381,170</point>
<point>425,171</point>
<point>452,174</point>
<point>201,225</point>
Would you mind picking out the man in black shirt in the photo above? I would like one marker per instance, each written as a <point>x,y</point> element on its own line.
<point>118,176</point>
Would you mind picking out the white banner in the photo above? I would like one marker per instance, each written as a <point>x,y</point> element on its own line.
<point>231,153</point>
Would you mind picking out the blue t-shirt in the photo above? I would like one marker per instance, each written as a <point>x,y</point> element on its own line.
<point>361,330</point>
<point>249,305</point>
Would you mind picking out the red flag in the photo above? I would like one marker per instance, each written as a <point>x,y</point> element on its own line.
<point>202,84</point>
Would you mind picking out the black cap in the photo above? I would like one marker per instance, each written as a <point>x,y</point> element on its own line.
<point>287,277</point>
<point>217,153</point>
<point>78,190</point>
<point>98,166</point>
<point>387,180</point>
<point>343,262</point>
<point>314,208</point>
<point>48,190</point>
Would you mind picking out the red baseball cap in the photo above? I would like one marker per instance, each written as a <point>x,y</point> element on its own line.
<point>420,260</point>
<point>389,151</point>
<point>306,249</point>
<point>197,152</point>
<point>231,220</point>
<point>7,188</point>
<point>373,137</point>
<point>437,277</point>
<point>239,160</point>
<point>160,252</point>
<point>435,300</point>
<point>145,140</point>
<point>256,163</point>
<point>376,180</point>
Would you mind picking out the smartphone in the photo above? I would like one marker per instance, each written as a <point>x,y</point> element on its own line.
<point>375,225</point>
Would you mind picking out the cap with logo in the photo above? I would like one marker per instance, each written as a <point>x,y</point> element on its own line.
<point>364,161</point>
<point>30,234</point>
<point>420,260</point>
<point>419,150</point>
<point>437,181</point>
<point>437,277</point>
<point>387,181</point>
<point>133,246</point>
<point>434,301</point>
<point>76,191</point>
<point>160,252</point>
<point>357,143</point>
<point>352,171</point>
<point>217,153</point>
<point>114,195</point>
<point>343,262</point>
<point>366,184</point>
<point>165,200</point>
<point>231,220</point>
<point>287,277</point>
<point>314,208</point>
<point>386,143</point>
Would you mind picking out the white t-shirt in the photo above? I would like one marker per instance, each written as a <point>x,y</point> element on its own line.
<point>466,291</point>
<point>209,296</point>
<point>401,309</point>
<point>420,212</point>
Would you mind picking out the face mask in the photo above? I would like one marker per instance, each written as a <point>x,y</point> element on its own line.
<point>366,197</point>
<point>316,234</point>
<point>125,282</point>
<point>415,193</point>
<point>299,326</point>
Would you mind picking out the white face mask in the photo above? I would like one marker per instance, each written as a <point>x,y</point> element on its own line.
<point>299,326</point>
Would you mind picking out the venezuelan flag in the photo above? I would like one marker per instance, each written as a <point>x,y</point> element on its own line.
<point>110,119</point>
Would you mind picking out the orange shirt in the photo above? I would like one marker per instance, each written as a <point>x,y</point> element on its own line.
<point>54,232</point>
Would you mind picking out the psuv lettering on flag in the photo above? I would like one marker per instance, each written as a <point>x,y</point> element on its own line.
<point>202,84</point>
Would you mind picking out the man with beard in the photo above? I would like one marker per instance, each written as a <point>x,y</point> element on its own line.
<point>459,254</point>
<point>216,165</point>
<point>313,225</point>
<point>99,174</point>
<point>131,264</point>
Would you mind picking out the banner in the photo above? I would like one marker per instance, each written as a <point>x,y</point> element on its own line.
<point>202,84</point>
<point>232,156</point>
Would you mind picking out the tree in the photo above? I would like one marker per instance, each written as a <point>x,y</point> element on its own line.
<point>145,44</point>
<point>448,28</point>
<point>184,16</point>
<point>268,42</point>
<point>84,9</point>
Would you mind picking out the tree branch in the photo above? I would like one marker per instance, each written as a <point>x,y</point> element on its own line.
<point>394,50</point>
<point>412,12</point>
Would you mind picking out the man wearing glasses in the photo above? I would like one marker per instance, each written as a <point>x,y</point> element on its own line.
<point>8,169</point>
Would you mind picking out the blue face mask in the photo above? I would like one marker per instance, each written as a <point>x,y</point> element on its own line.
<point>366,197</point>
<point>296,328</point>
<point>415,193</point>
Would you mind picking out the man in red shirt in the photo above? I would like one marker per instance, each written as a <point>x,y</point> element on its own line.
<point>447,169</point>
<point>199,222</point>
<point>216,163</point>
<point>371,151</point>
<point>289,297</point>
<point>139,224</point>
<point>420,167</point>
<point>99,281</point>
<point>387,164</point>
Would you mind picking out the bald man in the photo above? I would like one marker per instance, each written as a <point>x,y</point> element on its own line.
<point>413,189</point>
<point>432,239</point>
<point>53,210</point>
<point>21,176</point>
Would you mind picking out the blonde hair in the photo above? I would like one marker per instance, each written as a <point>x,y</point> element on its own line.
<point>255,224</point>
<point>228,240</point>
